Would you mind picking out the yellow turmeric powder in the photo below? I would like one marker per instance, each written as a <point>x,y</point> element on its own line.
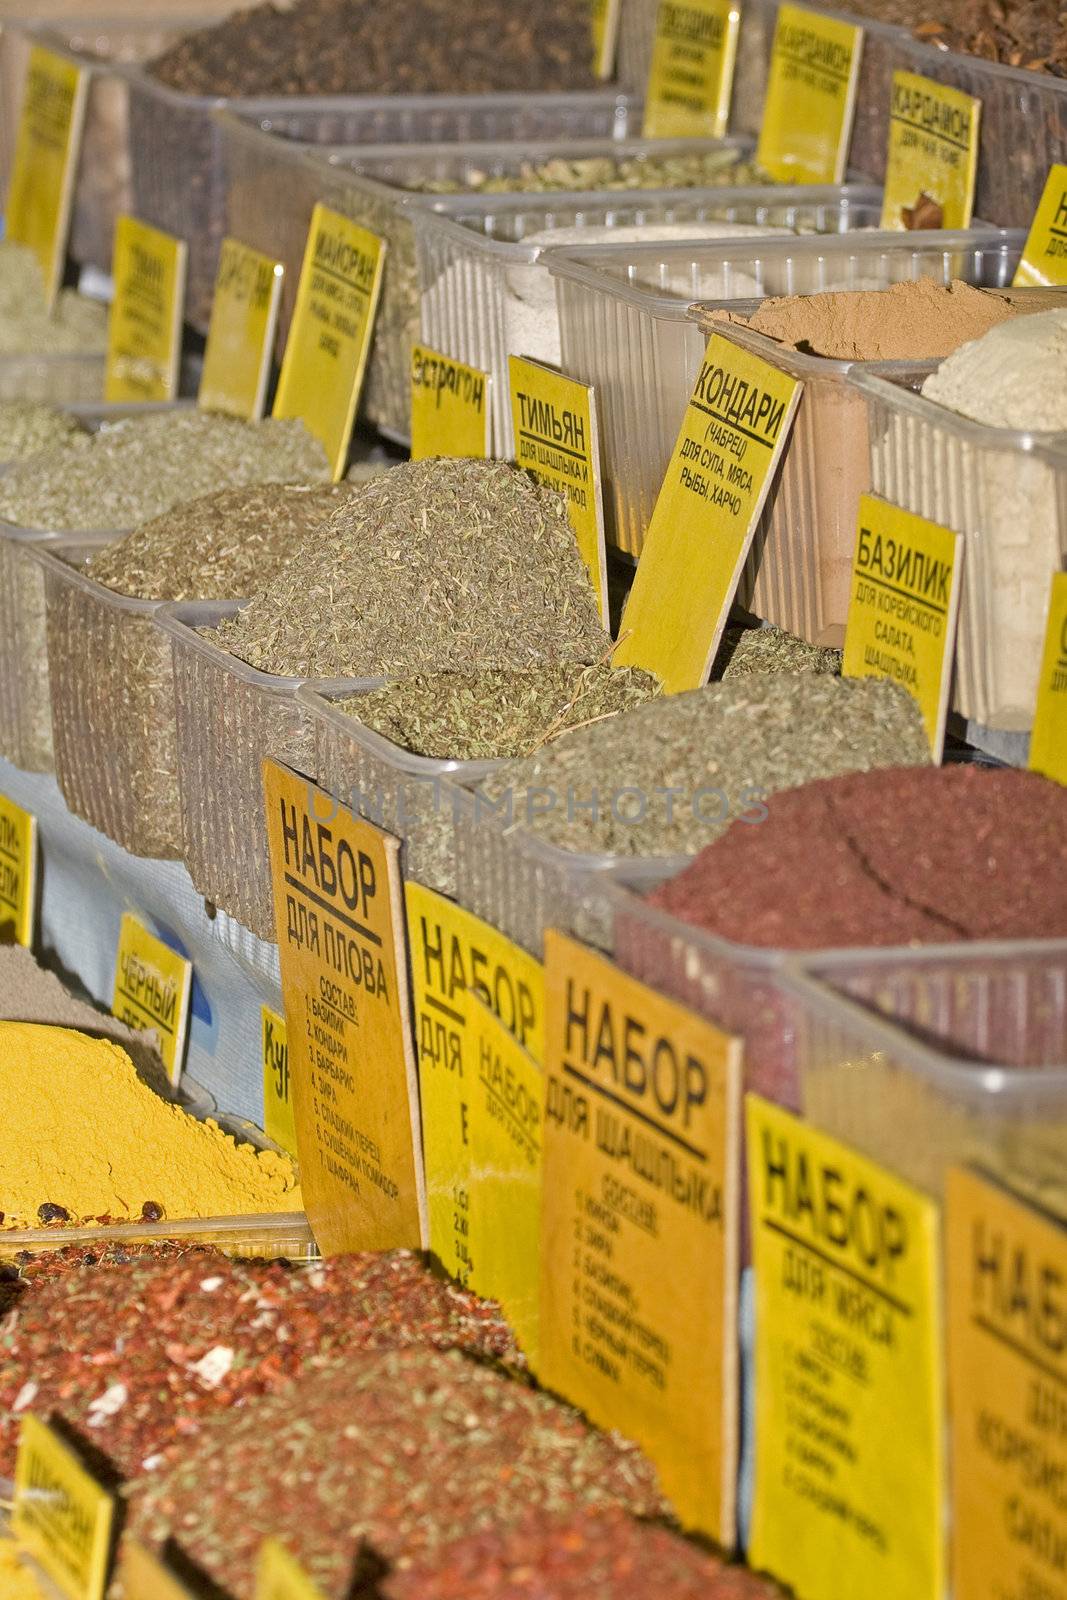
<point>17,1580</point>
<point>79,1130</point>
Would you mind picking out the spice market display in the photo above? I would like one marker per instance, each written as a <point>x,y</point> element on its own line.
<point>533,800</point>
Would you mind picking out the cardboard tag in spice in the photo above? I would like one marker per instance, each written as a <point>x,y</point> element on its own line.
<point>692,71</point>
<point>639,1221</point>
<point>1006,1266</point>
<point>904,606</point>
<point>240,336</point>
<point>1044,257</point>
<point>811,97</point>
<point>932,160</point>
<point>557,439</point>
<point>479,1005</point>
<point>731,441</point>
<point>606,15</point>
<point>279,1576</point>
<point>146,1577</point>
<point>45,162</point>
<point>152,988</point>
<point>449,407</point>
<point>18,873</point>
<point>339,910</point>
<point>1048,739</point>
<point>849,1401</point>
<point>144,337</point>
<point>278,1123</point>
<point>329,340</point>
<point>62,1516</point>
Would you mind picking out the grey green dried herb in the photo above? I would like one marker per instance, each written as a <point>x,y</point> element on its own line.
<point>439,564</point>
<point>693,169</point>
<point>27,426</point>
<point>140,467</point>
<point>75,326</point>
<point>752,652</point>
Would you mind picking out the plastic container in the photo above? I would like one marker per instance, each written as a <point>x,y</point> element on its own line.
<point>1002,489</point>
<point>625,325</point>
<point>410,796</point>
<point>230,716</point>
<point>56,379</point>
<point>282,1235</point>
<point>179,181</point>
<point>468,261</point>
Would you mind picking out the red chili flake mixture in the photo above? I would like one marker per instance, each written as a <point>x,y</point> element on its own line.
<point>138,1359</point>
<point>601,1555</point>
<point>407,1450</point>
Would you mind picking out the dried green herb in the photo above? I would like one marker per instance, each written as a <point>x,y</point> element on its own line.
<point>439,564</point>
<point>497,715</point>
<point>27,426</point>
<point>75,326</point>
<point>698,169</point>
<point>752,652</point>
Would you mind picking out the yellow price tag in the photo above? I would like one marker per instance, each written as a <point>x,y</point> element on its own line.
<point>556,439</point>
<point>734,431</point>
<point>1006,1266</point>
<point>449,407</point>
<point>278,1122</point>
<point>62,1515</point>
<point>932,158</point>
<point>18,872</point>
<point>152,988</point>
<point>146,1577</point>
<point>1048,740</point>
<point>606,15</point>
<point>639,1224</point>
<point>240,336</point>
<point>811,97</point>
<point>479,1003</point>
<point>279,1576</point>
<point>692,70</point>
<point>849,1402</point>
<point>339,909</point>
<point>46,161</point>
<point>1044,257</point>
<point>144,339</point>
<point>329,340</point>
<point>903,607</point>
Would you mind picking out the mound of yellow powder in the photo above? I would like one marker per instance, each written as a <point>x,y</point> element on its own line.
<point>17,1580</point>
<point>79,1129</point>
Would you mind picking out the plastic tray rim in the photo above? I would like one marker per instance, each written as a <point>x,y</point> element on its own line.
<point>878,386</point>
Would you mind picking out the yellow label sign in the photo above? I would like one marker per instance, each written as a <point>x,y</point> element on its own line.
<point>339,908</point>
<point>279,1576</point>
<point>733,434</point>
<point>46,161</point>
<point>849,1404</point>
<point>556,439</point>
<point>144,338</point>
<point>18,873</point>
<point>240,336</point>
<point>1048,740</point>
<point>145,1576</point>
<point>1006,1268</point>
<point>479,1004</point>
<point>903,607</point>
<point>152,988</point>
<point>62,1515</point>
<point>639,1224</point>
<point>605,36</point>
<point>278,1123</point>
<point>692,71</point>
<point>933,155</point>
<point>1044,257</point>
<point>811,97</point>
<point>329,340</point>
<point>449,407</point>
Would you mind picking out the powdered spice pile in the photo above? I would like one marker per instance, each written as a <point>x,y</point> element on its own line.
<point>79,1130</point>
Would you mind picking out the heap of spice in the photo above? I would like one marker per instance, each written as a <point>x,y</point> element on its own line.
<point>140,467</point>
<point>19,1580</point>
<point>75,326</point>
<point>1017,33</point>
<point>756,652</point>
<point>138,1354</point>
<point>27,426</point>
<point>343,47</point>
<point>403,1451</point>
<point>83,1138</point>
<point>497,714</point>
<point>719,167</point>
<point>439,564</point>
<point>678,772</point>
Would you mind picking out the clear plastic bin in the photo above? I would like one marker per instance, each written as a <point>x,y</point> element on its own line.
<point>397,790</point>
<point>230,716</point>
<point>179,181</point>
<point>467,260</point>
<point>625,325</point>
<point>54,379</point>
<point>1000,488</point>
<point>275,1236</point>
